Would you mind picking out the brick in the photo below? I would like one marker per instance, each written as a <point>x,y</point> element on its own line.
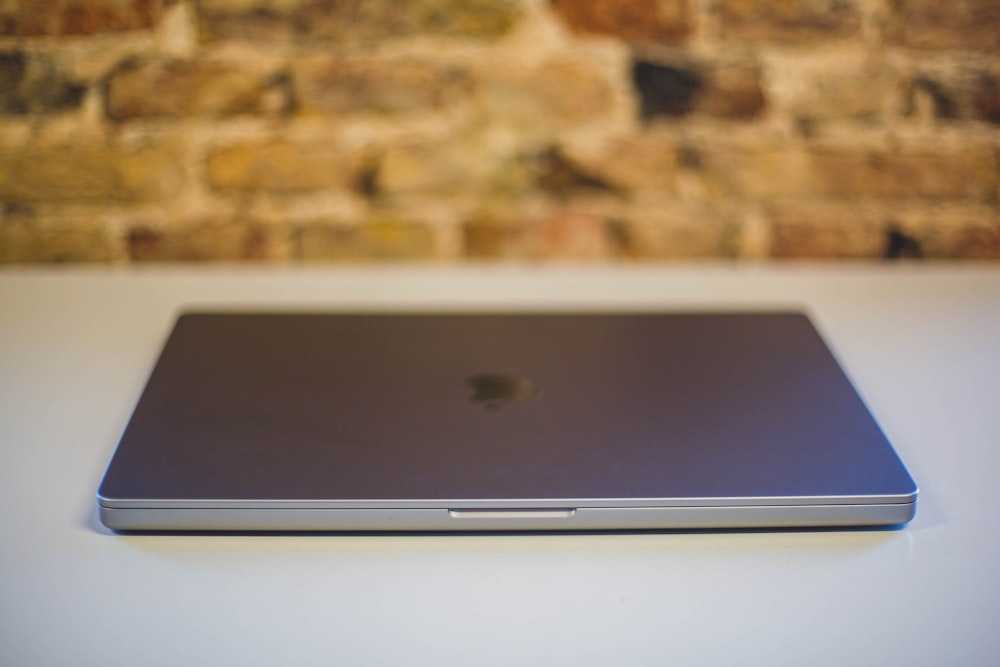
<point>865,171</point>
<point>283,166</point>
<point>968,94</point>
<point>847,231</point>
<point>337,21</point>
<point>665,90</point>
<point>34,83</point>
<point>486,238</point>
<point>732,90</point>
<point>977,240</point>
<point>558,234</point>
<point>965,233</point>
<point>377,240</point>
<point>340,86</point>
<point>28,240</point>
<point>788,21</point>
<point>986,98</point>
<point>558,174</point>
<point>653,230</point>
<point>827,232</point>
<point>926,24</point>
<point>845,86</point>
<point>194,88</point>
<point>525,97</point>
<point>673,89</point>
<point>634,20</point>
<point>670,231</point>
<point>930,172</point>
<point>435,167</point>
<point>206,241</point>
<point>25,18</point>
<point>644,161</point>
<point>88,172</point>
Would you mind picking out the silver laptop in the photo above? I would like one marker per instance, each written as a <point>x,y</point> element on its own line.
<point>357,422</point>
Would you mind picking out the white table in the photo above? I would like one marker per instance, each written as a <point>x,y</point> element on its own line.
<point>922,344</point>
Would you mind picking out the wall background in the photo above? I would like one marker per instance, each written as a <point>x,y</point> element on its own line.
<point>299,130</point>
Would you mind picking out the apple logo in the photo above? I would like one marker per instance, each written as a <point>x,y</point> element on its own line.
<point>494,390</point>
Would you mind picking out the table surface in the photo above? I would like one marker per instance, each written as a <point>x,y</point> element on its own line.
<point>921,343</point>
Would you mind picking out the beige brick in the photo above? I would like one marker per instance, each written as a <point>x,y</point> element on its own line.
<point>283,166</point>
<point>88,172</point>
<point>653,20</point>
<point>644,161</point>
<point>866,171</point>
<point>543,98</point>
<point>788,21</point>
<point>36,83</point>
<point>676,232</point>
<point>844,86</point>
<point>377,240</point>
<point>379,86</point>
<point>558,174</point>
<point>351,22</point>
<point>77,17</point>
<point>29,240</point>
<point>762,171</point>
<point>436,167</point>
<point>928,24</point>
<point>193,87</point>
<point>207,241</point>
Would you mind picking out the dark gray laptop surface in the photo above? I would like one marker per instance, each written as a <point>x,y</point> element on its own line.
<point>500,421</point>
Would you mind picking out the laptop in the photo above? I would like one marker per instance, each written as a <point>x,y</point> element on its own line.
<point>500,421</point>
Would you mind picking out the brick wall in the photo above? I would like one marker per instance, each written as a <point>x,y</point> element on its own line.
<point>347,130</point>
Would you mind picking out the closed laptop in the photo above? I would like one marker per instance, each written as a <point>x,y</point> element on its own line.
<point>500,421</point>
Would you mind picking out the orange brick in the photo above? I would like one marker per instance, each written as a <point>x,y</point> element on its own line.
<point>557,234</point>
<point>817,232</point>
<point>931,172</point>
<point>654,20</point>
<point>77,17</point>
<point>874,231</point>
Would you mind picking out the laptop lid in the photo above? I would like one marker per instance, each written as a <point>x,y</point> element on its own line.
<point>287,421</point>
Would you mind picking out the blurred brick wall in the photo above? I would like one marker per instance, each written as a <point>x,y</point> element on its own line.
<point>336,130</point>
